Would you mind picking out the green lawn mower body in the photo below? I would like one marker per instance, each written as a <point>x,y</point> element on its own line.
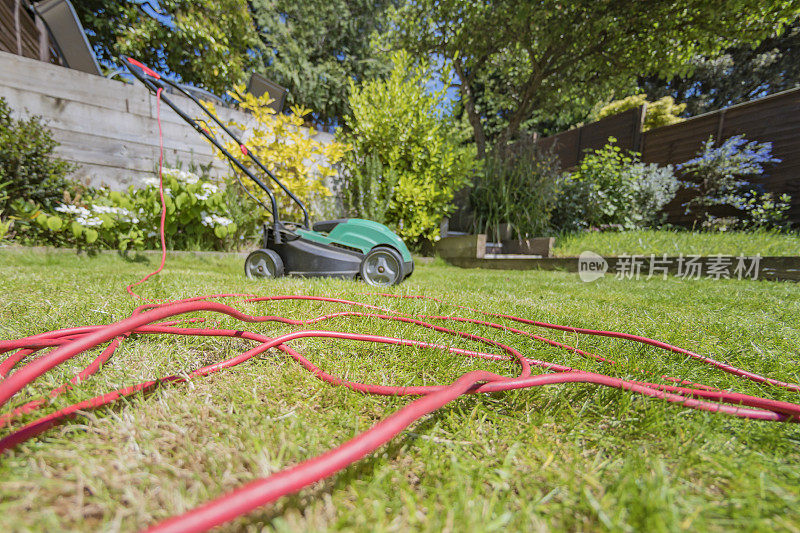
<point>345,248</point>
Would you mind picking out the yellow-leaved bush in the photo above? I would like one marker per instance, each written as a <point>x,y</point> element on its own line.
<point>661,112</point>
<point>287,148</point>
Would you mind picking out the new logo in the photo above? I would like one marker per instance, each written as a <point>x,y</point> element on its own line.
<point>591,266</point>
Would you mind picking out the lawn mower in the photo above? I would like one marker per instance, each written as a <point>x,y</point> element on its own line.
<point>344,248</point>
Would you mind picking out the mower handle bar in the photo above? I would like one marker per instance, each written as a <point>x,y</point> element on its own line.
<point>153,81</point>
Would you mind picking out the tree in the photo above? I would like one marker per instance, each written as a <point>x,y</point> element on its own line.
<point>740,74</point>
<point>316,47</point>
<point>208,43</point>
<point>514,59</point>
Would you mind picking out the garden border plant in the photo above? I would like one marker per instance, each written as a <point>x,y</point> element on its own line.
<point>407,154</point>
<point>517,185</point>
<point>198,207</point>
<point>613,187</point>
<point>28,165</point>
<point>725,197</point>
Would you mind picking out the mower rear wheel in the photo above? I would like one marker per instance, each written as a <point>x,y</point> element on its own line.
<point>381,267</point>
<point>263,263</point>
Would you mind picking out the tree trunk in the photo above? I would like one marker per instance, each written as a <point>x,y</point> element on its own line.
<point>468,99</point>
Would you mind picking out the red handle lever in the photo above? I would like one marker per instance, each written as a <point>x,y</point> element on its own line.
<point>147,70</point>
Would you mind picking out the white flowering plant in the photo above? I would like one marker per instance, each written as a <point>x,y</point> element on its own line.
<point>198,216</point>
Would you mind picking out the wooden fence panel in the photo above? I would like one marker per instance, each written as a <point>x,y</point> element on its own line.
<point>565,145</point>
<point>19,33</point>
<point>570,146</point>
<point>8,38</point>
<point>775,118</point>
<point>107,127</point>
<point>626,127</point>
<point>675,144</point>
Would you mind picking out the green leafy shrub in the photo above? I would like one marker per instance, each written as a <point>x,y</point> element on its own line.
<point>369,189</point>
<point>35,226</point>
<point>245,212</point>
<point>613,187</point>
<point>291,152</point>
<point>661,112</point>
<point>404,151</point>
<point>764,211</point>
<point>518,185</point>
<point>652,188</point>
<point>27,163</point>
<point>5,225</point>
<point>725,197</point>
<point>198,217</point>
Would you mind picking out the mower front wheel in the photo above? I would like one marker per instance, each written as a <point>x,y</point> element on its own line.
<point>382,266</point>
<point>262,264</point>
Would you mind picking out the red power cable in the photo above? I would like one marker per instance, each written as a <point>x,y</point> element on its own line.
<point>149,319</point>
<point>263,491</point>
<point>130,287</point>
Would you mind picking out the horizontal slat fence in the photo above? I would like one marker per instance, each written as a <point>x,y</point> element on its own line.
<point>20,34</point>
<point>108,127</point>
<point>571,145</point>
<point>775,118</point>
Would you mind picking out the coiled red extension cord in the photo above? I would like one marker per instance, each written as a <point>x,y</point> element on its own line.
<point>167,319</point>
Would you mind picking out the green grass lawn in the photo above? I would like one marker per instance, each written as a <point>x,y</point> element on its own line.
<point>574,457</point>
<point>678,242</point>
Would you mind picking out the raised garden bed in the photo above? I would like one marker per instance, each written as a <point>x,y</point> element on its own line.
<point>472,251</point>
